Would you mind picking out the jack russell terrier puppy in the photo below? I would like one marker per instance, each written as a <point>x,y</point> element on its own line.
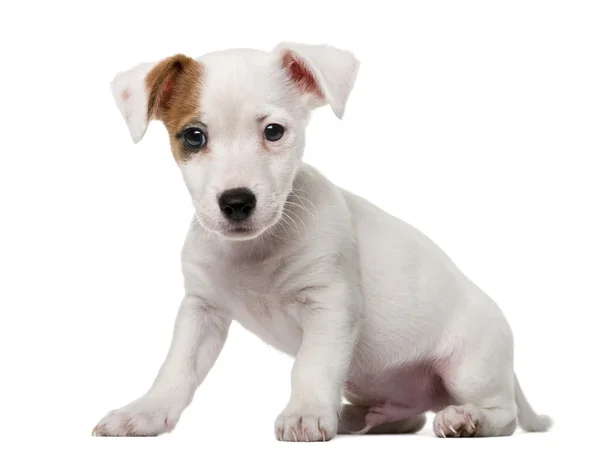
<point>371,309</point>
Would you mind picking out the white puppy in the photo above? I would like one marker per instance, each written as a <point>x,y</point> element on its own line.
<point>371,309</point>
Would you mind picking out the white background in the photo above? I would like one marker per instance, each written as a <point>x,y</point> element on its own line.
<point>477,122</point>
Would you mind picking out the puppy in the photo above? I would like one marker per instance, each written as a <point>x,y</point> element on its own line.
<point>370,308</point>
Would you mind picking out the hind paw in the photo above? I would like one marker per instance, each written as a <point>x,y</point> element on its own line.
<point>457,421</point>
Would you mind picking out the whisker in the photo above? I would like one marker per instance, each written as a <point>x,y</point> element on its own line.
<point>288,222</point>
<point>303,208</point>
<point>294,223</point>
<point>301,198</point>
<point>299,218</point>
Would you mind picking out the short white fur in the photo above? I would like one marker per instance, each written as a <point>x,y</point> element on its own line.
<point>350,291</point>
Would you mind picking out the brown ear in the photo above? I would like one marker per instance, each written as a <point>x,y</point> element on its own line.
<point>166,82</point>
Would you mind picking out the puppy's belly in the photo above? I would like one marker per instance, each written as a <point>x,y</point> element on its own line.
<point>410,389</point>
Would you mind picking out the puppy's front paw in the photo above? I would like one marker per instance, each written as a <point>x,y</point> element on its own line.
<point>305,426</point>
<point>138,419</point>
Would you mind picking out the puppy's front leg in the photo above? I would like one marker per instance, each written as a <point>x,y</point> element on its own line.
<point>329,324</point>
<point>198,338</point>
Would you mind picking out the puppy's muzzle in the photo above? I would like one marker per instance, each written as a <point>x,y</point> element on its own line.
<point>237,204</point>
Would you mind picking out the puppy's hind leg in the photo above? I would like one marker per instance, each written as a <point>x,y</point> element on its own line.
<point>482,393</point>
<point>486,398</point>
<point>353,420</point>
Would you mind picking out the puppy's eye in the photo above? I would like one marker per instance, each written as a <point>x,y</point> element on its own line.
<point>274,132</point>
<point>194,138</point>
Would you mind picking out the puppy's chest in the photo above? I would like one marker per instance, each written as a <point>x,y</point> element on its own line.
<point>266,316</point>
<point>266,309</point>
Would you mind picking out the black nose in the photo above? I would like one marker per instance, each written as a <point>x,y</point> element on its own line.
<point>237,204</point>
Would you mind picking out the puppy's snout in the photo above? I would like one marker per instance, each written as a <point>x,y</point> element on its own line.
<point>237,204</point>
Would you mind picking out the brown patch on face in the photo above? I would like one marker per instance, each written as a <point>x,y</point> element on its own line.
<point>125,95</point>
<point>301,75</point>
<point>174,96</point>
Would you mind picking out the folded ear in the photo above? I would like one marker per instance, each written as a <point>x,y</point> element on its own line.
<point>144,92</point>
<point>322,73</point>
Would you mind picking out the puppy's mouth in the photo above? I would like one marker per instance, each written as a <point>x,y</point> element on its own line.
<point>239,232</point>
<point>247,229</point>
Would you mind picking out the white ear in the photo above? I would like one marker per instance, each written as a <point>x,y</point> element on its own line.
<point>131,96</point>
<point>322,73</point>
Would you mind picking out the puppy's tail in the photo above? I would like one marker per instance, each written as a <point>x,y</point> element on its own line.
<point>529,420</point>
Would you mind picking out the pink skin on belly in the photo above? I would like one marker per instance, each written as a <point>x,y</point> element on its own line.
<point>399,393</point>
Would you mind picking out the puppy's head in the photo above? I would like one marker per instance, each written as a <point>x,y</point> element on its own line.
<point>236,122</point>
